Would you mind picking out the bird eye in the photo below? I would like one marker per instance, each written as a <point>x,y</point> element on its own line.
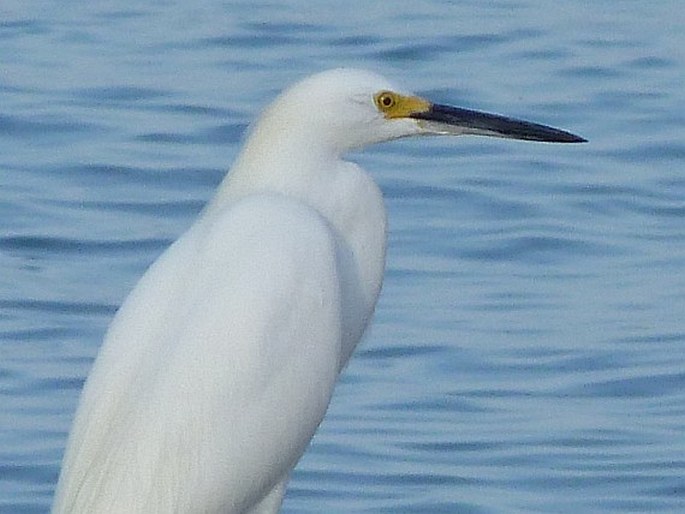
<point>385,100</point>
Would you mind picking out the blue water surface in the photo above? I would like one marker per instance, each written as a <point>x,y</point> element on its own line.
<point>528,350</point>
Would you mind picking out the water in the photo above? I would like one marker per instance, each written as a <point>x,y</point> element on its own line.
<point>528,351</point>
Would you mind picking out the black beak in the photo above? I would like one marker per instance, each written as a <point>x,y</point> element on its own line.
<point>445,119</point>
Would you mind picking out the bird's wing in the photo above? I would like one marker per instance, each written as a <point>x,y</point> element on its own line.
<point>216,371</point>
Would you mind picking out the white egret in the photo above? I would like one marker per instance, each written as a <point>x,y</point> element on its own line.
<point>220,364</point>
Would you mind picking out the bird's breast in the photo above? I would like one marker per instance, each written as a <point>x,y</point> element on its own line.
<point>353,205</point>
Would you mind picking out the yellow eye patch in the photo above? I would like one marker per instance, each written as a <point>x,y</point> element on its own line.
<point>394,105</point>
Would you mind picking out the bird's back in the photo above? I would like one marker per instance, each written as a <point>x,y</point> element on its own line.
<point>215,372</point>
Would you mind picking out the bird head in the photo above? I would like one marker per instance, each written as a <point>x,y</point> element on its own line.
<point>344,109</point>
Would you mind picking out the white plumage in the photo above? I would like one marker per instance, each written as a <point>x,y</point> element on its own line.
<point>220,365</point>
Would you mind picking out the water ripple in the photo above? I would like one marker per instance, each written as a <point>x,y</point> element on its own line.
<point>58,307</point>
<point>57,245</point>
<point>22,127</point>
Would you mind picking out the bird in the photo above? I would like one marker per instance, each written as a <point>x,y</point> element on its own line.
<point>219,366</point>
